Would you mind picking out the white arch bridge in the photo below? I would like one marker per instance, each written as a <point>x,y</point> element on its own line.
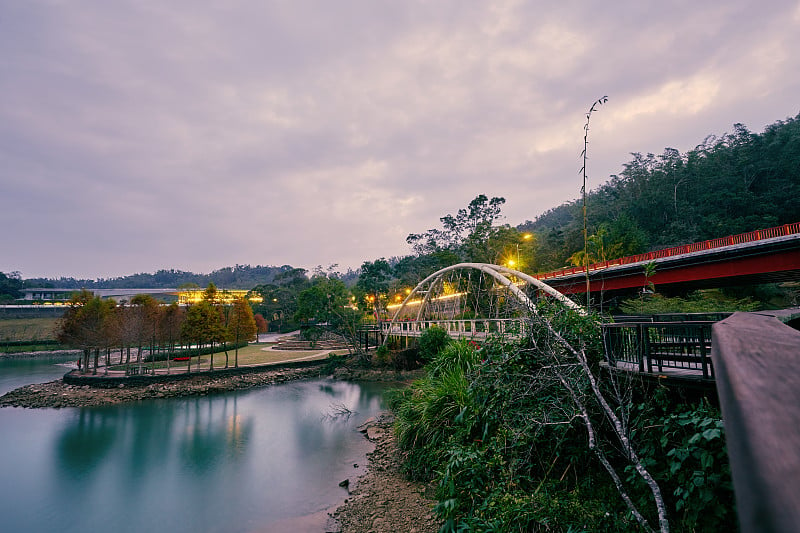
<point>471,300</point>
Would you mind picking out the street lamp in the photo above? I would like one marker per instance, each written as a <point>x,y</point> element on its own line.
<point>525,237</point>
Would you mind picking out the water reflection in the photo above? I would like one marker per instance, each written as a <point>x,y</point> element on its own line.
<point>214,434</point>
<point>231,462</point>
<point>83,446</point>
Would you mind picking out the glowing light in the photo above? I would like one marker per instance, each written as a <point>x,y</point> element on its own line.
<point>224,296</point>
<point>437,299</point>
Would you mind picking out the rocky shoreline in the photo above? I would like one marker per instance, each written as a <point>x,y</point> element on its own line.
<point>58,394</point>
<point>383,500</point>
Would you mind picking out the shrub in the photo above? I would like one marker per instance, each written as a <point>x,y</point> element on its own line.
<point>683,445</point>
<point>431,342</point>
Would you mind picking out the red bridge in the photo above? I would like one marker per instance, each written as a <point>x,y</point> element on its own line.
<point>761,256</point>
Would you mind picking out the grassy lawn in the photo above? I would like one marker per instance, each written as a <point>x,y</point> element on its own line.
<point>254,354</point>
<point>24,329</point>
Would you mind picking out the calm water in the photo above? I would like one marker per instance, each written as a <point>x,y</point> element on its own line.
<point>242,462</point>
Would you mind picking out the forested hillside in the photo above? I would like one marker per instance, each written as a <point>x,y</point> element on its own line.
<point>736,183</point>
<point>237,277</point>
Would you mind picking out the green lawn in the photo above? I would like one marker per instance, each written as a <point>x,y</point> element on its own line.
<point>28,329</point>
<point>254,354</point>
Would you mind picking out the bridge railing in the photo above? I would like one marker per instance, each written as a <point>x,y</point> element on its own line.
<point>730,240</point>
<point>475,327</point>
<point>652,347</point>
<point>674,317</point>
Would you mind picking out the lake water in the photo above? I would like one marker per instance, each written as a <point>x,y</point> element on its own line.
<point>252,461</point>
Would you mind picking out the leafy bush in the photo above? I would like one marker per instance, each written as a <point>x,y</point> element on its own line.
<point>712,300</point>
<point>684,447</point>
<point>431,342</point>
<point>382,355</point>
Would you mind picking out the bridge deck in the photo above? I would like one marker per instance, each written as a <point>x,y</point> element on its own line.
<point>683,374</point>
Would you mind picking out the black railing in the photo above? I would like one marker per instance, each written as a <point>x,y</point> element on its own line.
<point>673,317</point>
<point>653,346</point>
<point>369,336</point>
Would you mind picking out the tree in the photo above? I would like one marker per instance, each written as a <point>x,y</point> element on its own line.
<point>171,320</point>
<point>499,245</point>
<point>327,303</point>
<point>598,249</point>
<point>10,286</point>
<point>241,326</point>
<point>374,280</point>
<point>262,326</point>
<point>85,325</point>
<point>203,325</point>
<point>479,215</point>
<point>213,320</point>
<point>322,300</point>
<point>143,319</point>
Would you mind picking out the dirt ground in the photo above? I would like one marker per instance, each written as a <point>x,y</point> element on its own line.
<point>383,499</point>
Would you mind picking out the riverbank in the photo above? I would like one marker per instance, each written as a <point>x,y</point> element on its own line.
<point>59,394</point>
<point>383,499</point>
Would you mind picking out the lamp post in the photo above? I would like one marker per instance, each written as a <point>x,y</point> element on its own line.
<point>525,237</point>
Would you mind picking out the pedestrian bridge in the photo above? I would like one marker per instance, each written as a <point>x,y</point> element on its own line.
<point>458,329</point>
<point>472,300</point>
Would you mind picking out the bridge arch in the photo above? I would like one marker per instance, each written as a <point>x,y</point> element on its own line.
<point>470,292</point>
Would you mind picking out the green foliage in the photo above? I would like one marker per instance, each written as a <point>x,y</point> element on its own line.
<point>322,301</point>
<point>506,446</point>
<point>431,342</point>
<point>10,286</point>
<point>684,447</point>
<point>374,277</point>
<point>473,223</point>
<point>335,361</point>
<point>427,412</point>
<point>704,301</point>
<point>383,355</point>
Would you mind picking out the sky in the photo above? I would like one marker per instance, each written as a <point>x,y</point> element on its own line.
<point>190,134</point>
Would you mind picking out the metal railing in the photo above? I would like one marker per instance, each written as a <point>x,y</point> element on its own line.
<point>652,347</point>
<point>730,240</point>
<point>674,317</point>
<point>475,327</point>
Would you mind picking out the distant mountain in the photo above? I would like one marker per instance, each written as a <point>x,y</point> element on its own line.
<point>236,277</point>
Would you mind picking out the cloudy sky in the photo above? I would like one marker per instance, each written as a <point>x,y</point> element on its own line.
<point>193,134</point>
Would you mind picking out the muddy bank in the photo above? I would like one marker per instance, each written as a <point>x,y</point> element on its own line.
<point>383,499</point>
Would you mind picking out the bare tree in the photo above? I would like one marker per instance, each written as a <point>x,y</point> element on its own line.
<point>559,342</point>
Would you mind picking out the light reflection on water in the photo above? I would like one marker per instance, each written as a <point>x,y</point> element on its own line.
<point>235,462</point>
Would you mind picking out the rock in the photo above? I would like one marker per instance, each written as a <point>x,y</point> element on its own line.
<point>369,422</point>
<point>374,433</point>
<point>345,483</point>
